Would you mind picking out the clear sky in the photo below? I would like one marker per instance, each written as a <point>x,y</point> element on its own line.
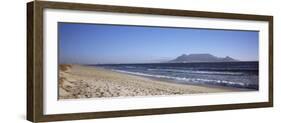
<point>96,43</point>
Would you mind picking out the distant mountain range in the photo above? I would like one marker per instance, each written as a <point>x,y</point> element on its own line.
<point>201,58</point>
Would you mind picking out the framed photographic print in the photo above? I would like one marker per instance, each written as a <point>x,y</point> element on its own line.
<point>95,61</point>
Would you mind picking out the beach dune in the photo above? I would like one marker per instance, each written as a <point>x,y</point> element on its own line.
<point>77,81</point>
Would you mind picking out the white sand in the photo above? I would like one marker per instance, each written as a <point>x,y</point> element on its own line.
<point>89,82</point>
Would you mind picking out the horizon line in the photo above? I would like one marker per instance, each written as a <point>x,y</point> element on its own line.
<point>154,63</point>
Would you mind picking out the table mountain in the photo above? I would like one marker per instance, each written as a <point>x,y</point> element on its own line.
<point>201,58</point>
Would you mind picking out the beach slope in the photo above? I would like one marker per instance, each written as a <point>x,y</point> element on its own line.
<point>77,81</point>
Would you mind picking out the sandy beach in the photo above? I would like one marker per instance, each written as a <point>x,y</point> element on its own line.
<point>76,81</point>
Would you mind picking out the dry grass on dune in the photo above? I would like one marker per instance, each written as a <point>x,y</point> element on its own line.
<point>65,67</point>
<point>61,81</point>
<point>70,88</point>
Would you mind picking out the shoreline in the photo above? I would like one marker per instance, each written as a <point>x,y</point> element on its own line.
<point>180,83</point>
<point>77,81</point>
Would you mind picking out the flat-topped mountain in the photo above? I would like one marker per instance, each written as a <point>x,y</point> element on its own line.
<point>201,58</point>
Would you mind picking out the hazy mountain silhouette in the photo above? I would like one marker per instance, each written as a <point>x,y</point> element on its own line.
<point>201,58</point>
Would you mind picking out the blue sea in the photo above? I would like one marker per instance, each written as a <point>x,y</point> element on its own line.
<point>229,74</point>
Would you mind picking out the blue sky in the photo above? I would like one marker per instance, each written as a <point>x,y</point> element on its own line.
<point>96,43</point>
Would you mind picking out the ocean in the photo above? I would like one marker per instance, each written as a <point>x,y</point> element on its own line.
<point>228,74</point>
